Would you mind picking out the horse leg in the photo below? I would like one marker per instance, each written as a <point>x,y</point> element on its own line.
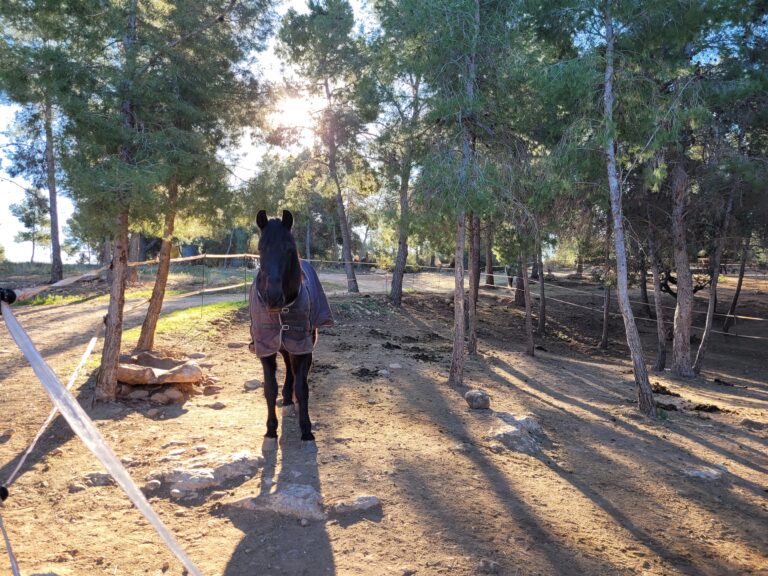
<point>269,365</point>
<point>288,407</point>
<point>301,363</point>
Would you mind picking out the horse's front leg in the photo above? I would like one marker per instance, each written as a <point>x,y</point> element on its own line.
<point>301,363</point>
<point>288,407</point>
<point>269,365</point>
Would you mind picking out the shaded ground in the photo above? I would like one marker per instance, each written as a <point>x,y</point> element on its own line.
<point>608,495</point>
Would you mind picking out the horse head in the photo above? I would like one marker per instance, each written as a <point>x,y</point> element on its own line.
<point>279,279</point>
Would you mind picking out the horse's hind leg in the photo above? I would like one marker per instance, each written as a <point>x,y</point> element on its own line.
<point>269,365</point>
<point>288,407</point>
<point>301,365</point>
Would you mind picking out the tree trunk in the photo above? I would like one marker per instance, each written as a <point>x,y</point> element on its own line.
<point>57,268</point>
<point>542,328</point>
<point>106,383</point>
<point>661,332</point>
<point>346,238</point>
<point>489,279</point>
<point>396,290</point>
<point>579,261</point>
<point>681,344</point>
<point>606,317</point>
<point>607,286</point>
<point>32,259</point>
<point>644,284</point>
<point>456,375</point>
<point>134,251</point>
<point>645,400</point>
<point>474,282</point>
<point>529,347</point>
<point>147,337</point>
<point>715,266</point>
<point>308,238</point>
<point>742,267</point>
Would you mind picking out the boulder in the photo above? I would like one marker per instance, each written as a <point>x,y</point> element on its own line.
<point>478,399</point>
<point>154,360</point>
<point>187,373</point>
<point>517,434</point>
<point>297,500</point>
<point>359,504</point>
<point>135,374</point>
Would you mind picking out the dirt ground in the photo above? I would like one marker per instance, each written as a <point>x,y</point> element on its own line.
<point>609,493</point>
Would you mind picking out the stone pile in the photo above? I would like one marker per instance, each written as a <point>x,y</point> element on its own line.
<point>162,379</point>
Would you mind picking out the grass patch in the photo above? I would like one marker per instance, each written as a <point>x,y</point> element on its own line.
<point>46,299</point>
<point>192,323</point>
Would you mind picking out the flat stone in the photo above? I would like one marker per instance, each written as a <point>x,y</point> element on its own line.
<point>188,373</point>
<point>395,366</point>
<point>154,360</point>
<point>296,500</point>
<point>383,372</point>
<point>208,471</point>
<point>252,384</point>
<point>235,344</point>
<point>478,399</point>
<point>705,473</point>
<point>359,504</point>
<point>197,355</point>
<point>217,405</point>
<point>520,435</point>
<point>98,479</point>
<point>138,395</point>
<point>211,390</point>
<point>135,374</point>
<point>152,412</point>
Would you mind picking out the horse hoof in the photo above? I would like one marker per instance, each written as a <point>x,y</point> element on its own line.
<point>269,445</point>
<point>289,411</point>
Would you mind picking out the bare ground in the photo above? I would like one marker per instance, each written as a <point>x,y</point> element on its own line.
<point>609,493</point>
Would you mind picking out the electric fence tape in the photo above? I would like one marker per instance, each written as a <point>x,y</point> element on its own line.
<point>84,427</point>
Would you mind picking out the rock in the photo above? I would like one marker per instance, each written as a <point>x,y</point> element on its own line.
<point>177,452</point>
<point>138,395</point>
<point>208,471</point>
<point>383,372</point>
<point>197,355</point>
<point>217,405</point>
<point>252,384</point>
<point>304,522</point>
<point>407,572</point>
<point>187,373</point>
<point>152,412</point>
<point>156,361</point>
<point>175,395</point>
<point>478,399</point>
<point>99,479</point>
<point>211,390</point>
<point>177,494</point>
<point>135,374</point>
<point>359,504</point>
<point>395,366</point>
<point>487,566</point>
<point>235,344</point>
<point>705,473</point>
<point>152,485</point>
<point>297,500</point>
<point>160,398</point>
<point>75,487</point>
<point>519,435</point>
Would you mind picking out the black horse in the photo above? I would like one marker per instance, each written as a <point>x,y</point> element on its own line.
<point>287,305</point>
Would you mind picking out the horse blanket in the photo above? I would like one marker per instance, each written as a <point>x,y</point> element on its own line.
<point>293,326</point>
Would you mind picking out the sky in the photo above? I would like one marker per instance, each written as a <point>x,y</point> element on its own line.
<point>296,112</point>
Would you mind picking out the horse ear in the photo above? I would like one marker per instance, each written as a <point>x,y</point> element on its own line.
<point>287,219</point>
<point>261,219</point>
